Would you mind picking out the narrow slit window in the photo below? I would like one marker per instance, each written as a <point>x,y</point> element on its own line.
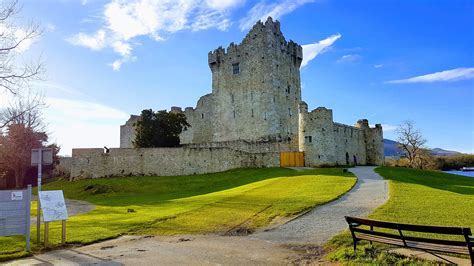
<point>289,111</point>
<point>234,113</point>
<point>202,116</point>
<point>252,113</point>
<point>236,68</point>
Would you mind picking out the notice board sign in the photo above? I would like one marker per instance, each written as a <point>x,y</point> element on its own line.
<point>15,213</point>
<point>46,156</point>
<point>53,205</point>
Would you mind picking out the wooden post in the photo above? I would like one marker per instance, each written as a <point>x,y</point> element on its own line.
<point>46,232</point>
<point>64,233</point>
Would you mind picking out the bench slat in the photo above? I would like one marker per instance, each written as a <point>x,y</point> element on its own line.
<point>413,238</point>
<point>412,227</point>
<point>412,244</point>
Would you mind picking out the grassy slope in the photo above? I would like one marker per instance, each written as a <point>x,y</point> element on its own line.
<point>419,197</point>
<point>209,203</point>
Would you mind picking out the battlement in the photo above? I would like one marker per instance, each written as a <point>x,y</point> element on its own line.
<point>259,33</point>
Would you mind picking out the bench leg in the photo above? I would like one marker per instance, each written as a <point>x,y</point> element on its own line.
<point>355,245</point>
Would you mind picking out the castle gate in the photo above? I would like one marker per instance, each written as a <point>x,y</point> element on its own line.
<point>291,159</point>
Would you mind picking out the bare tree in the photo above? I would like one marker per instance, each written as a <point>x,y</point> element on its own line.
<point>14,74</point>
<point>412,142</point>
<point>24,110</point>
<point>23,130</point>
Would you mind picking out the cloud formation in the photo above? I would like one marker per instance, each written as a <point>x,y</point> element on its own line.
<point>125,20</point>
<point>262,10</point>
<point>456,74</point>
<point>349,58</point>
<point>82,124</point>
<point>310,51</point>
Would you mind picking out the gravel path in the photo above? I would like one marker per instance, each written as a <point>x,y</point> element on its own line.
<point>74,207</point>
<point>319,225</point>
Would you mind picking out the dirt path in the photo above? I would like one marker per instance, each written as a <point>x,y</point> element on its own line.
<point>294,242</point>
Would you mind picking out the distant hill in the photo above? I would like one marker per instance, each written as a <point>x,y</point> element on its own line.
<point>441,152</point>
<point>391,150</point>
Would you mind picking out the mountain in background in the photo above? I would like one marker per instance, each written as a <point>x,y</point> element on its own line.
<point>391,150</point>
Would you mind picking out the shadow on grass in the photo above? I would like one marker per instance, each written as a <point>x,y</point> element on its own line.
<point>147,190</point>
<point>438,180</point>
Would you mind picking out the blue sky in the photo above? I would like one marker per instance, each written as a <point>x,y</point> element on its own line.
<point>387,61</point>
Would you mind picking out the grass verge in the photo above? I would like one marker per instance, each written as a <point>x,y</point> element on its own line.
<point>242,199</point>
<point>417,197</point>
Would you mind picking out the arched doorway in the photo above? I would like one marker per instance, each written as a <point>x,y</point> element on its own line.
<point>347,158</point>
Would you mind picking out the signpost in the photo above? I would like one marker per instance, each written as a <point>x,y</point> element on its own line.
<point>54,209</point>
<point>40,157</point>
<point>15,213</point>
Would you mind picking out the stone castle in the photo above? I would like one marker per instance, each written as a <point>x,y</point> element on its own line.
<point>256,106</point>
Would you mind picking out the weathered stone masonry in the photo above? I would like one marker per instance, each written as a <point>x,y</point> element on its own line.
<point>254,112</point>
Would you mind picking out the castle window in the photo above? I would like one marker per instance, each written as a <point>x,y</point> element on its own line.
<point>288,90</point>
<point>308,139</point>
<point>273,99</point>
<point>289,111</point>
<point>234,114</point>
<point>236,68</point>
<point>232,98</point>
<point>265,115</point>
<point>252,113</point>
<point>202,116</point>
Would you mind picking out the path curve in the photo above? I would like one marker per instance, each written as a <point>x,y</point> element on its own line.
<point>321,224</point>
<point>74,207</point>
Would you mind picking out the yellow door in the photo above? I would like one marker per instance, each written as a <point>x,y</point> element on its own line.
<point>291,159</point>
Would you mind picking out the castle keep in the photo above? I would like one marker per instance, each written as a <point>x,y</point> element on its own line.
<point>256,97</point>
<point>254,112</point>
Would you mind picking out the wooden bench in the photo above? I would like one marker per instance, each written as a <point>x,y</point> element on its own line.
<point>400,239</point>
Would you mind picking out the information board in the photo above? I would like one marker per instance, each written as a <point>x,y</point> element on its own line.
<point>46,156</point>
<point>15,213</point>
<point>53,206</point>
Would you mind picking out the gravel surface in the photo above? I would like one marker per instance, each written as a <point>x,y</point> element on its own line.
<point>322,223</point>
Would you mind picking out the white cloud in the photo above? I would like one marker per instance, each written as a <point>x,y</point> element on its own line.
<point>262,10</point>
<point>349,58</point>
<point>95,42</point>
<point>224,4</point>
<point>82,124</point>
<point>447,75</point>
<point>310,51</point>
<point>123,21</point>
<point>14,35</point>
<point>378,66</point>
<point>50,27</point>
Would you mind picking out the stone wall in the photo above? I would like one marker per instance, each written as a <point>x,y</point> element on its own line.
<point>350,145</point>
<point>328,143</point>
<point>94,163</point>
<point>127,132</point>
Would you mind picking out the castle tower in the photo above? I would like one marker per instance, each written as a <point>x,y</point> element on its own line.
<point>256,87</point>
<point>373,142</point>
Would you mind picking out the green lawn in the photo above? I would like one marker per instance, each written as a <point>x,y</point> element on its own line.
<point>212,203</point>
<point>419,197</point>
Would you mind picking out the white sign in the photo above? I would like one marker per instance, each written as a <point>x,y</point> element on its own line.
<point>17,195</point>
<point>46,156</point>
<point>52,205</point>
